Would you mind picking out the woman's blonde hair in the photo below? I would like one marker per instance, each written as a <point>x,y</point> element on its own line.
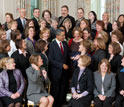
<point>104,36</point>
<point>34,59</point>
<point>106,61</point>
<point>44,31</point>
<point>67,20</point>
<point>100,43</point>
<point>5,61</point>
<point>86,60</point>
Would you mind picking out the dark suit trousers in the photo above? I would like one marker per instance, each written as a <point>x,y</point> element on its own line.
<point>59,90</point>
<point>119,101</point>
<point>107,103</point>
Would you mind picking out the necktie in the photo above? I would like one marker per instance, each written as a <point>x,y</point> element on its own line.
<point>62,51</point>
<point>23,23</point>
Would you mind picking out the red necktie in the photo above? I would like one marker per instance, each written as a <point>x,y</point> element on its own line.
<point>61,48</point>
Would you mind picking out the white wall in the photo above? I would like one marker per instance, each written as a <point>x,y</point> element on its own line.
<point>121,6</point>
<point>7,6</point>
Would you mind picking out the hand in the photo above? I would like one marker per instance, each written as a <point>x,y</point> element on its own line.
<point>76,57</point>
<point>101,97</point>
<point>74,95</point>
<point>65,66</point>
<point>35,67</point>
<point>79,96</point>
<point>44,73</point>
<point>17,94</point>
<point>122,92</point>
<point>13,96</point>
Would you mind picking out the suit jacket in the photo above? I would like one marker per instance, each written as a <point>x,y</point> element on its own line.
<point>56,59</point>
<point>86,81</point>
<point>20,27</point>
<point>96,58</point>
<point>109,84</point>
<point>62,20</point>
<point>4,83</point>
<point>115,63</point>
<point>35,82</point>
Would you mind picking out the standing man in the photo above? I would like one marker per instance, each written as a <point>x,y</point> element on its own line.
<point>21,21</point>
<point>58,55</point>
<point>36,14</point>
<point>64,15</point>
<point>80,16</point>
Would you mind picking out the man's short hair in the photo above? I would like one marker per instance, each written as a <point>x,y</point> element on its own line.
<point>59,31</point>
<point>65,6</point>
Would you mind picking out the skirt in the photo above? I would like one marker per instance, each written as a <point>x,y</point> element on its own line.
<point>8,100</point>
<point>36,97</point>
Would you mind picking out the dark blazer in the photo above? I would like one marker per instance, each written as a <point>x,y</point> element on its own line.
<point>109,28</point>
<point>68,16</point>
<point>21,61</point>
<point>36,25</point>
<point>120,80</point>
<point>115,63</point>
<point>86,81</point>
<point>96,58</point>
<point>56,59</point>
<point>20,27</point>
<point>109,84</point>
<point>4,83</point>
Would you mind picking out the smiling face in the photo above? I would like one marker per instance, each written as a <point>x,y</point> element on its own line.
<point>77,35</point>
<point>91,16</point>
<point>83,25</point>
<point>31,32</point>
<point>98,28</point>
<point>64,12</point>
<point>110,49</point>
<point>36,13</point>
<point>47,16</point>
<point>10,64</point>
<point>8,18</point>
<point>81,48</point>
<point>114,38</point>
<point>103,67</point>
<point>45,35</point>
<point>61,37</point>
<point>86,35</point>
<point>80,14</point>
<point>114,26</point>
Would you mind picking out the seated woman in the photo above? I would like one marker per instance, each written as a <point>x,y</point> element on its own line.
<point>11,83</point>
<point>119,101</point>
<point>82,84</point>
<point>37,76</point>
<point>105,84</point>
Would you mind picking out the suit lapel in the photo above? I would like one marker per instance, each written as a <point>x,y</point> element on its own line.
<point>57,47</point>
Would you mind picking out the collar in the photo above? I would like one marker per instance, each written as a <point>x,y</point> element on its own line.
<point>58,41</point>
<point>20,52</point>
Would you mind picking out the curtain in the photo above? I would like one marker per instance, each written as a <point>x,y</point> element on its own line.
<point>51,5</point>
<point>113,8</point>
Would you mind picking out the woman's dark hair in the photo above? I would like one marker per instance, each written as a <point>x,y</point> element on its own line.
<point>95,19</point>
<point>47,12</point>
<point>3,45</point>
<point>39,46</point>
<point>14,34</point>
<point>18,43</point>
<point>120,16</point>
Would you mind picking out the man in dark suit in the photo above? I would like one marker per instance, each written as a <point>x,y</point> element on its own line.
<point>58,55</point>
<point>65,14</point>
<point>36,13</point>
<point>21,21</point>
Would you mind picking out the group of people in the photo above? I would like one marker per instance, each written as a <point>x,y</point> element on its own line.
<point>83,57</point>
